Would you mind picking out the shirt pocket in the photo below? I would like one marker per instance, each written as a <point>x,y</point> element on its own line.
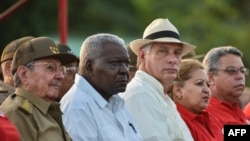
<point>108,133</point>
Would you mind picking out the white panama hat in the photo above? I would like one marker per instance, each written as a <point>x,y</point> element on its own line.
<point>160,30</point>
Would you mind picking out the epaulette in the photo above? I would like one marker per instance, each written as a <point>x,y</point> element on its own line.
<point>26,106</point>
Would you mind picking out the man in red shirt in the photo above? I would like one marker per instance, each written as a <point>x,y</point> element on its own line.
<point>226,73</point>
<point>246,111</point>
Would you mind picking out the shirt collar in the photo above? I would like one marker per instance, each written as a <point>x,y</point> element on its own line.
<point>100,101</point>
<point>38,102</point>
<point>116,102</point>
<point>216,101</point>
<point>184,112</point>
<point>149,79</point>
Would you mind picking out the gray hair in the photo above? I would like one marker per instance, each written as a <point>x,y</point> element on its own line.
<point>92,44</point>
<point>212,58</point>
<point>146,49</point>
<point>17,81</point>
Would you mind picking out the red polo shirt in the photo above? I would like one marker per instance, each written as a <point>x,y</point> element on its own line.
<point>246,110</point>
<point>8,131</point>
<point>203,126</point>
<point>226,113</point>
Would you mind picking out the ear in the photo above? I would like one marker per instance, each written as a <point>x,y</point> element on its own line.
<point>22,73</point>
<point>89,67</point>
<point>7,68</point>
<point>210,78</point>
<point>141,56</point>
<point>177,91</point>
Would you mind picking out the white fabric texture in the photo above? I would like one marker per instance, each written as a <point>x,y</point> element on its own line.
<point>87,116</point>
<point>154,112</point>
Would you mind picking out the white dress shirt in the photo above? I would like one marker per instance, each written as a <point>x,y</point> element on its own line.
<point>87,116</point>
<point>154,112</point>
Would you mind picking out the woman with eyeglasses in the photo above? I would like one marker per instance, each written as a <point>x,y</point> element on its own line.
<point>191,93</point>
<point>227,75</point>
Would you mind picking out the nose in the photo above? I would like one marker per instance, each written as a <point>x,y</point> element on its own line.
<point>124,68</point>
<point>172,58</point>
<point>59,75</point>
<point>206,89</point>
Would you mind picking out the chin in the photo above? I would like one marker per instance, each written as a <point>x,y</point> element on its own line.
<point>121,90</point>
<point>237,95</point>
<point>170,77</point>
<point>203,106</point>
<point>53,95</point>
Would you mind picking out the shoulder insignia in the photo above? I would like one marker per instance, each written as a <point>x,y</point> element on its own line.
<point>26,106</point>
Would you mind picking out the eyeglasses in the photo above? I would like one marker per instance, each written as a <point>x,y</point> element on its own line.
<point>132,68</point>
<point>71,69</point>
<point>52,67</point>
<point>234,70</point>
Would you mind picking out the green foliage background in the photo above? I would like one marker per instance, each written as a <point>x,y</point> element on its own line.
<point>204,23</point>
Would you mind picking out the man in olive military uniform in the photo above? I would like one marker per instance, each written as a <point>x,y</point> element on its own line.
<point>38,73</point>
<point>7,85</point>
<point>5,91</point>
<point>71,70</point>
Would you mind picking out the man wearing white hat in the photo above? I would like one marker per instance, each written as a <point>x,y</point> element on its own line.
<point>159,54</point>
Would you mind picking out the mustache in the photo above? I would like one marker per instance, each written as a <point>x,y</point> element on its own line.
<point>56,83</point>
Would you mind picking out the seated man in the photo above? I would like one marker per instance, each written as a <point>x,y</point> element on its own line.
<point>71,70</point>
<point>226,73</point>
<point>159,55</point>
<point>93,110</point>
<point>132,63</point>
<point>38,73</point>
<point>7,85</point>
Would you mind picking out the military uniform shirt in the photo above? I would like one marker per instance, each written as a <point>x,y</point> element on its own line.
<point>5,91</point>
<point>36,119</point>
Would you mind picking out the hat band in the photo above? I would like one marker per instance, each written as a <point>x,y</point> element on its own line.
<point>162,34</point>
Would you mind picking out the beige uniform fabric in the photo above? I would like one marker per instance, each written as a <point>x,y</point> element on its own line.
<point>36,119</point>
<point>5,91</point>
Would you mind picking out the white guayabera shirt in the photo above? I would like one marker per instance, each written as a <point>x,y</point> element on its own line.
<point>154,112</point>
<point>87,116</point>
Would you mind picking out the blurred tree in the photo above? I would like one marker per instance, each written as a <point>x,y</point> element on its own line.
<point>35,18</point>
